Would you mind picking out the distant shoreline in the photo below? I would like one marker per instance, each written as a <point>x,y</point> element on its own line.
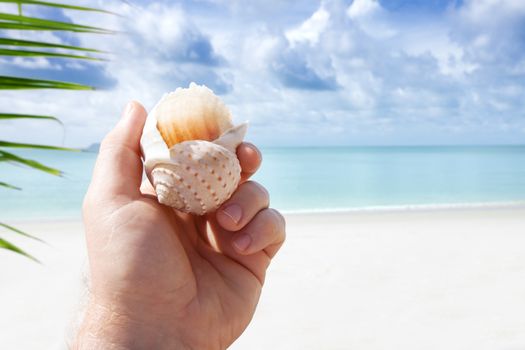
<point>385,209</point>
<point>413,207</point>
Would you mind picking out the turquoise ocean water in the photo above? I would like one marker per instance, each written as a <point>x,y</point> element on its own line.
<point>308,179</point>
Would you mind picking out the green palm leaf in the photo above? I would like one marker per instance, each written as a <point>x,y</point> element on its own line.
<point>11,187</point>
<point>16,83</point>
<point>52,4</point>
<point>9,21</point>
<point>28,116</point>
<point>19,48</point>
<point>18,42</point>
<point>10,246</point>
<point>27,145</point>
<point>10,157</point>
<point>26,26</point>
<point>22,233</point>
<point>28,53</point>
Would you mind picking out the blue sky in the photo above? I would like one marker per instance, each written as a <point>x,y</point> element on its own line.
<point>331,72</point>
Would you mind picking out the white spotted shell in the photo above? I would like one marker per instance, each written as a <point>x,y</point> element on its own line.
<point>193,176</point>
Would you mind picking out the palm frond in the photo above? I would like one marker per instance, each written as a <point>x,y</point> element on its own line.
<point>23,48</point>
<point>28,116</point>
<point>10,246</point>
<point>22,233</point>
<point>28,53</point>
<point>19,42</point>
<point>28,145</point>
<point>10,157</point>
<point>53,4</point>
<point>20,22</point>
<point>16,83</point>
<point>11,187</point>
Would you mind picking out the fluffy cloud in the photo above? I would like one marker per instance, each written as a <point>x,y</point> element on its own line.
<point>362,8</point>
<point>168,34</point>
<point>158,48</point>
<point>304,72</point>
<point>310,30</point>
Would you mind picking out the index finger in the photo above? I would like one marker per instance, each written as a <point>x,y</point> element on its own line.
<point>250,159</point>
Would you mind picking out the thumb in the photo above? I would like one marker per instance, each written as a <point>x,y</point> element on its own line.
<point>118,170</point>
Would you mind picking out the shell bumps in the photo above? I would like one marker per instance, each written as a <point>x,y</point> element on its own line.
<point>188,144</point>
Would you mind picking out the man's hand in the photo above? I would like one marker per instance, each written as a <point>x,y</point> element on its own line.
<point>161,279</point>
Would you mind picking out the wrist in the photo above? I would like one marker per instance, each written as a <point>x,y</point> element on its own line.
<point>112,328</point>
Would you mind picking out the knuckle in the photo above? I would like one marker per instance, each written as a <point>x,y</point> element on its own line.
<point>280,217</point>
<point>280,223</point>
<point>273,225</point>
<point>255,149</point>
<point>258,190</point>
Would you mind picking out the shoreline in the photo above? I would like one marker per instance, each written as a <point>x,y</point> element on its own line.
<point>384,209</point>
<point>413,208</point>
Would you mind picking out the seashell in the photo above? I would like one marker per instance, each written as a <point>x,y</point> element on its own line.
<point>192,114</point>
<point>188,145</point>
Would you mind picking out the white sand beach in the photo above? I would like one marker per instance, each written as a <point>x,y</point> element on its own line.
<point>426,279</point>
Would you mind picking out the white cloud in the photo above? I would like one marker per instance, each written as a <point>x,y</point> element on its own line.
<point>31,63</point>
<point>485,12</point>
<point>310,30</point>
<point>363,8</point>
<point>158,51</point>
<point>334,74</point>
<point>371,18</point>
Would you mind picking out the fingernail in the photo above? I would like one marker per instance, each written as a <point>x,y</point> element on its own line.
<point>242,243</point>
<point>127,110</point>
<point>234,212</point>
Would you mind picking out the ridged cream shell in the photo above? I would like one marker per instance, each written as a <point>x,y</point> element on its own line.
<point>193,175</point>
